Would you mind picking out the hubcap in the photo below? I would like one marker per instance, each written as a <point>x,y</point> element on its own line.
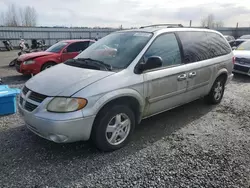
<point>118,129</point>
<point>218,91</point>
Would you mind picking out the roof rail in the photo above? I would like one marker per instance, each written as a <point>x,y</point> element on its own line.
<point>163,25</point>
<point>198,27</point>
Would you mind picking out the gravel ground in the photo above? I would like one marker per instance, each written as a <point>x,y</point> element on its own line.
<point>195,145</point>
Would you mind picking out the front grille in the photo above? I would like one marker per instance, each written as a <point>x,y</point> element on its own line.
<point>29,106</point>
<point>25,90</point>
<point>33,97</point>
<point>21,100</point>
<point>241,68</point>
<point>243,61</point>
<point>37,97</point>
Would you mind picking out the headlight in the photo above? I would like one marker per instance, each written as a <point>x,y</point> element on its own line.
<point>64,104</point>
<point>28,62</point>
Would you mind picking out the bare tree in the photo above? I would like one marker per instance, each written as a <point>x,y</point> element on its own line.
<point>11,16</point>
<point>30,16</point>
<point>210,22</point>
<point>219,24</point>
<point>19,17</point>
<point>2,19</point>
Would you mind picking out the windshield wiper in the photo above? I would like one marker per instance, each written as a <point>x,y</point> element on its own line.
<point>107,66</point>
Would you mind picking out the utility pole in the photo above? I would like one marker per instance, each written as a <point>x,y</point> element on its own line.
<point>236,30</point>
<point>190,23</point>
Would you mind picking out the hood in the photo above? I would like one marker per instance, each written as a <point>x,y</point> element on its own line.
<point>64,80</point>
<point>242,39</point>
<point>242,54</point>
<point>32,55</point>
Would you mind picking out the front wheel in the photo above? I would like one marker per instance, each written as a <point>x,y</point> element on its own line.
<point>47,66</point>
<point>113,127</point>
<point>217,91</point>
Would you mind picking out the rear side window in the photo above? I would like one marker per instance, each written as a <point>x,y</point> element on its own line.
<point>218,45</point>
<point>166,47</point>
<point>195,46</point>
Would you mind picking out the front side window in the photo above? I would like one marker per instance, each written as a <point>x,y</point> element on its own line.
<point>117,49</point>
<point>166,47</point>
<point>56,48</point>
<point>195,46</point>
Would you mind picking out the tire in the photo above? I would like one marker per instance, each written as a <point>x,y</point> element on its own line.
<point>47,65</point>
<point>121,122</point>
<point>216,93</point>
<point>13,63</point>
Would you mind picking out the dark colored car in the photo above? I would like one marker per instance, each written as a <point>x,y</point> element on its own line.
<point>33,63</point>
<point>242,39</point>
<point>230,39</point>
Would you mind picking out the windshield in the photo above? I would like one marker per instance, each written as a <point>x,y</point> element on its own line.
<point>245,37</point>
<point>117,49</point>
<point>244,46</point>
<point>56,48</point>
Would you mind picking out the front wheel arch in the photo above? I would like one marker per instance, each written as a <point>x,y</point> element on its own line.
<point>48,63</point>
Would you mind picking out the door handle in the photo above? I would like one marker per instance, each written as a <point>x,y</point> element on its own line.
<point>182,77</point>
<point>192,74</point>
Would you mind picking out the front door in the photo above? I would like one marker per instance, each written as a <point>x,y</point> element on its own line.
<point>165,87</point>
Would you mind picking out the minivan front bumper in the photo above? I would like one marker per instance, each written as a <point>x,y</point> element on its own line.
<point>59,131</point>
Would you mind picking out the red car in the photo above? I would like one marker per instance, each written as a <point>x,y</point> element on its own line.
<point>33,63</point>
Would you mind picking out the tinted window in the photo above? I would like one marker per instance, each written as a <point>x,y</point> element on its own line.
<point>218,45</point>
<point>165,46</point>
<point>78,46</point>
<point>195,46</point>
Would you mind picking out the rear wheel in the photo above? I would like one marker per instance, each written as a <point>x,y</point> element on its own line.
<point>113,127</point>
<point>217,91</point>
<point>48,65</point>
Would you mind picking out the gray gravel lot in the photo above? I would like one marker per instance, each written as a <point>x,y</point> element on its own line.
<point>195,145</point>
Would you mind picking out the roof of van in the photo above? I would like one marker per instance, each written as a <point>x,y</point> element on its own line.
<point>155,29</point>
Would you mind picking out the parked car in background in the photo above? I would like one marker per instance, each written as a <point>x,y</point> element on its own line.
<point>147,71</point>
<point>230,39</point>
<point>242,58</point>
<point>33,63</point>
<point>242,39</point>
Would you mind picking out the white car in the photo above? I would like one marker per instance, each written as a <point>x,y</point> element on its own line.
<point>242,58</point>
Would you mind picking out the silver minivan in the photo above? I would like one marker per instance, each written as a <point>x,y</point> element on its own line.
<point>123,78</point>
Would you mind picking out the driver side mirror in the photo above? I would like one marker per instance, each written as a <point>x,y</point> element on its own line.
<point>234,48</point>
<point>151,63</point>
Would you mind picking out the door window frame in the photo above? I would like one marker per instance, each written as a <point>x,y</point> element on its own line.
<point>163,67</point>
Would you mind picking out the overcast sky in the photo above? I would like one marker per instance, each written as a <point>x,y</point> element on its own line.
<point>112,13</point>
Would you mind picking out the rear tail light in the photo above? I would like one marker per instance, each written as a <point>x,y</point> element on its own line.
<point>233,60</point>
